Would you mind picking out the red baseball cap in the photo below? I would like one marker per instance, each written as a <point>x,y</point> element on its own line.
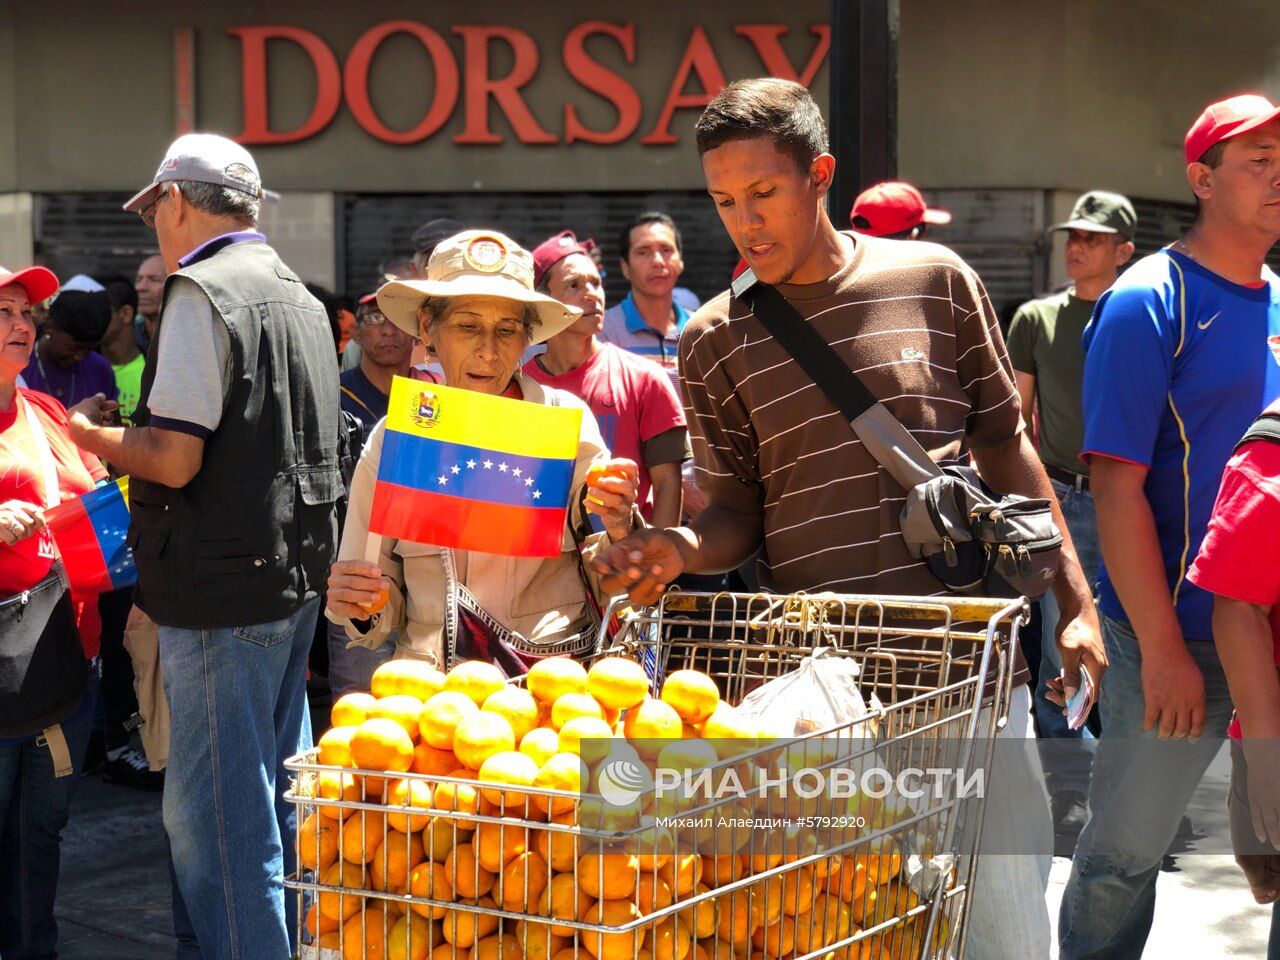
<point>894,207</point>
<point>551,251</point>
<point>39,282</point>
<point>1226,119</point>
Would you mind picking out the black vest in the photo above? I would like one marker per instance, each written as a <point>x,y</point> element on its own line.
<point>251,537</point>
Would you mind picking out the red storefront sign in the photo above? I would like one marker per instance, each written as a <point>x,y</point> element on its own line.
<point>472,82</point>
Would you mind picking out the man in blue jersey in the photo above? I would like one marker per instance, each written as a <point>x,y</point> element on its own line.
<point>1177,366</point>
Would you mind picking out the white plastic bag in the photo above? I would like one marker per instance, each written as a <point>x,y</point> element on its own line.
<point>819,694</point>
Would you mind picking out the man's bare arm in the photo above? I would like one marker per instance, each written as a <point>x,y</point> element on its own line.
<point>668,495</point>
<point>162,456</point>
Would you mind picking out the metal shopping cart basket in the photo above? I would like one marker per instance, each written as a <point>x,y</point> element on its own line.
<point>442,867</point>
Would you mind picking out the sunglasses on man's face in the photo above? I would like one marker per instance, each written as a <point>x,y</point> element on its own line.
<point>148,213</point>
<point>373,318</point>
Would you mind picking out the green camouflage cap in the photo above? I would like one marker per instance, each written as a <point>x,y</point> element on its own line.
<point>1102,212</point>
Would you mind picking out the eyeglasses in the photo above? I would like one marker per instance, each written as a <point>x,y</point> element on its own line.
<point>373,318</point>
<point>148,213</point>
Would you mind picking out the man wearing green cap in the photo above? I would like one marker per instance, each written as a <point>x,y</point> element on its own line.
<point>1048,362</point>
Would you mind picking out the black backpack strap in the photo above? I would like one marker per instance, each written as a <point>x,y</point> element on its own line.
<point>1266,427</point>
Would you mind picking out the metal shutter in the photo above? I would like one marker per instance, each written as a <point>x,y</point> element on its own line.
<point>377,227</point>
<point>89,233</point>
<point>1160,222</point>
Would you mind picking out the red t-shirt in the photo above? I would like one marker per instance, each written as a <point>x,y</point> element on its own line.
<point>26,563</point>
<point>631,398</point>
<point>1237,558</point>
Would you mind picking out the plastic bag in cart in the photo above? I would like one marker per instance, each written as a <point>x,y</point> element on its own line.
<point>821,693</point>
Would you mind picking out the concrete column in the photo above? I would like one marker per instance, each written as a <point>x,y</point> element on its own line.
<point>1060,203</point>
<point>17,246</point>
<point>300,227</point>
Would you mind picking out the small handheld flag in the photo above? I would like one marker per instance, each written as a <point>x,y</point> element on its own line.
<point>472,471</point>
<point>90,532</point>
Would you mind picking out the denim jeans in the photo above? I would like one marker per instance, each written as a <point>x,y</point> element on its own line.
<point>351,668</point>
<point>34,807</point>
<point>238,701</point>
<point>1009,917</point>
<point>1139,791</point>
<point>1067,763</point>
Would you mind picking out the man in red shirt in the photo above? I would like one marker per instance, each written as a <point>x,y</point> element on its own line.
<point>1245,581</point>
<point>632,398</point>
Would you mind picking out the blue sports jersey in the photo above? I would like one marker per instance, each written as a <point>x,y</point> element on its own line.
<point>1177,366</point>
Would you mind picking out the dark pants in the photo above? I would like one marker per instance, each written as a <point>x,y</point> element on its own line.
<point>119,700</point>
<point>34,807</point>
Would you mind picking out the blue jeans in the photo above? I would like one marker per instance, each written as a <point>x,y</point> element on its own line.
<point>351,668</point>
<point>1139,791</point>
<point>1066,764</point>
<point>34,807</point>
<point>238,700</point>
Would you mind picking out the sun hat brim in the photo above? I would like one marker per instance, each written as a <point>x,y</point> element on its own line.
<point>399,301</point>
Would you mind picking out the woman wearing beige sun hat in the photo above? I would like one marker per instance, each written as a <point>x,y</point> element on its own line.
<point>476,313</point>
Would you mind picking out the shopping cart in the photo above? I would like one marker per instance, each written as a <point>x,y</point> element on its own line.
<point>460,869</point>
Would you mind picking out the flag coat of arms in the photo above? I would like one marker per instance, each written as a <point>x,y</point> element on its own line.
<point>90,532</point>
<point>472,471</point>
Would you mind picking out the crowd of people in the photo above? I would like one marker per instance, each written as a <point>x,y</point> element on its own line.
<point>247,408</point>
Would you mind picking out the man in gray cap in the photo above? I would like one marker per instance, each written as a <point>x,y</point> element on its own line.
<point>1048,362</point>
<point>235,475</point>
<point>427,237</point>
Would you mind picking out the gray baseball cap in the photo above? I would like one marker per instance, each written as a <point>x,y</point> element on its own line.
<point>204,158</point>
<point>1100,211</point>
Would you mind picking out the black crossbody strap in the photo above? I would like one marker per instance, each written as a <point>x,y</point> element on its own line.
<point>1266,427</point>
<point>882,434</point>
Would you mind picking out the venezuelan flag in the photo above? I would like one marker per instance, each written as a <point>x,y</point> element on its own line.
<point>474,472</point>
<point>90,533</point>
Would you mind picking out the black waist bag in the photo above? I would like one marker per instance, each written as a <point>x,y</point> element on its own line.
<point>42,666</point>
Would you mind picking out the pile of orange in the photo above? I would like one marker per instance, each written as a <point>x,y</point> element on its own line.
<point>413,836</point>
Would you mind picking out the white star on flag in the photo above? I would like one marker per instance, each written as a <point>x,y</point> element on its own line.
<point>528,481</point>
<point>502,467</point>
<point>515,472</point>
<point>456,469</point>
<point>443,479</point>
<point>537,494</point>
<point>471,464</point>
<point>488,464</point>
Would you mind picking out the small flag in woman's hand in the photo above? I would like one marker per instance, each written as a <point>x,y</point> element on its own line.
<point>90,532</point>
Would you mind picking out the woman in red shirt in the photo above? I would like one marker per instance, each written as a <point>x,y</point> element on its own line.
<point>39,467</point>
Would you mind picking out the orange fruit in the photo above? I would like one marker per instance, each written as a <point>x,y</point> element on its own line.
<point>475,679</point>
<point>381,744</point>
<point>551,678</point>
<point>692,694</point>
<point>339,906</point>
<point>457,797</point>
<point>331,785</point>
<point>558,847</point>
<point>440,716</point>
<point>729,733</point>
<point>611,946</point>
<point>317,923</point>
<point>462,928</point>
<point>468,879</point>
<point>410,938</point>
<point>563,771</point>
<point>717,871</point>
<point>408,793</point>
<point>668,940</point>
<point>849,880</point>
<point>776,940</point>
<point>563,899</point>
<point>882,865</point>
<point>573,705</point>
<point>828,921</point>
<point>737,916</point>
<point>361,836</point>
<point>364,936</point>
<point>497,844</point>
<point>582,728</point>
<point>438,838</point>
<point>395,857</point>
<point>503,946</point>
<point>682,872</point>
<point>540,743</point>
<point>537,941</point>
<point>509,767</point>
<point>480,736</point>
<point>521,882</point>
<point>403,709</point>
<point>701,917</point>
<point>653,893</point>
<point>608,876</point>
<point>415,678</point>
<point>335,747</point>
<point>617,683</point>
<point>431,881</point>
<point>351,709</point>
<point>432,761</point>
<point>317,842</point>
<point>648,724</point>
<point>517,705</point>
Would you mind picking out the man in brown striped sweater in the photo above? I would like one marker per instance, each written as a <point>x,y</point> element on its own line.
<point>781,467</point>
